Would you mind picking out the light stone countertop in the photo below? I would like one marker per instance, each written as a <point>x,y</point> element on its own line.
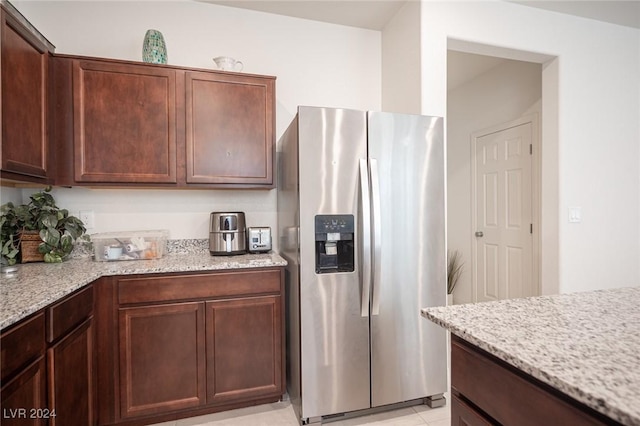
<point>37,285</point>
<point>586,345</point>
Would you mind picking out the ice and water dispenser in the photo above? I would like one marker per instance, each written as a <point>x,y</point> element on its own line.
<point>334,243</point>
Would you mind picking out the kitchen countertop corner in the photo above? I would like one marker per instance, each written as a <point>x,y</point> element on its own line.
<point>586,345</point>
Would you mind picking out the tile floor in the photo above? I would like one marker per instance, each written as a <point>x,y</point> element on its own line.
<point>281,414</point>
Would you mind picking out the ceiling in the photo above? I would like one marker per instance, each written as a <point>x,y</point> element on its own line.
<point>370,14</point>
<point>621,12</point>
<point>374,14</point>
<point>461,67</point>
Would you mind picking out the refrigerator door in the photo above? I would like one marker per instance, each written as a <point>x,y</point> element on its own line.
<point>408,354</point>
<point>334,336</point>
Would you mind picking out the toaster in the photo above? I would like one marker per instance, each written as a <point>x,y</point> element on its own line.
<point>259,239</point>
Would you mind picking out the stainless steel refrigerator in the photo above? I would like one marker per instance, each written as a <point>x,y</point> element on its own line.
<point>362,225</point>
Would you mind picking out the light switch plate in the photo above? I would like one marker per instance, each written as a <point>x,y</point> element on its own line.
<point>575,214</point>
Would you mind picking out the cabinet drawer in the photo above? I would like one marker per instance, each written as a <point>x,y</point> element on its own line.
<point>464,415</point>
<point>21,344</point>
<point>199,286</point>
<point>508,396</point>
<point>67,314</point>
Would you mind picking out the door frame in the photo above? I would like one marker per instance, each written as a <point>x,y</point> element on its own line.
<point>536,168</point>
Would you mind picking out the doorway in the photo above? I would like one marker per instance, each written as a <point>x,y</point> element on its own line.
<point>501,94</point>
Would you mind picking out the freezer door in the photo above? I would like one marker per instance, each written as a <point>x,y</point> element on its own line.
<point>408,354</point>
<point>334,335</point>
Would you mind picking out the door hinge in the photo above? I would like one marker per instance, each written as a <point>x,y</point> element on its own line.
<point>531,228</point>
<point>530,149</point>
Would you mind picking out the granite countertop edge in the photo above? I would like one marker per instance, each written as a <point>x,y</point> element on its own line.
<point>503,355</point>
<point>515,353</point>
<point>37,285</point>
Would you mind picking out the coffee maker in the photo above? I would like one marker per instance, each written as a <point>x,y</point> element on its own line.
<point>334,243</point>
<point>227,233</point>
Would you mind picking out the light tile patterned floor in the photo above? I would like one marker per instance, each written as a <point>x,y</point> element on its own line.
<point>281,414</point>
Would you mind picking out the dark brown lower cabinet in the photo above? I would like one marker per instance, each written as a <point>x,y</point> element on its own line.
<point>487,391</point>
<point>161,358</point>
<point>48,365</point>
<point>156,347</point>
<point>243,348</point>
<point>24,398</point>
<point>191,344</point>
<point>464,415</point>
<point>71,377</point>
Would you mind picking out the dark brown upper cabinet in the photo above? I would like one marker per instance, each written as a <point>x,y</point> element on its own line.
<point>229,129</point>
<point>25,56</point>
<point>134,124</point>
<point>124,123</point>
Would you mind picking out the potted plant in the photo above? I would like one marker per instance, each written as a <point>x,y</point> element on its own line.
<point>454,270</point>
<point>52,228</point>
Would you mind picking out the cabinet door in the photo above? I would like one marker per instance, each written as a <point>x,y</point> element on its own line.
<point>71,377</point>
<point>124,123</point>
<point>244,353</point>
<point>24,69</point>
<point>229,129</point>
<point>23,398</point>
<point>161,358</point>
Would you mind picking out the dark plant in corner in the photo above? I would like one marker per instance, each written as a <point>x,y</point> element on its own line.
<point>454,269</point>
<point>57,230</point>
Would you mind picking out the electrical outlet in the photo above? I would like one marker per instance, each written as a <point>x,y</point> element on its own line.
<point>86,216</point>
<point>575,214</point>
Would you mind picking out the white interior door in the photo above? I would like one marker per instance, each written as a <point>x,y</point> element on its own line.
<point>503,216</point>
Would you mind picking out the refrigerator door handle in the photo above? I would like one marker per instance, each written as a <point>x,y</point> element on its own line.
<point>377,235</point>
<point>366,239</point>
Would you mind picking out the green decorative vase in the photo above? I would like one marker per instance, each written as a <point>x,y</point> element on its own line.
<point>154,49</point>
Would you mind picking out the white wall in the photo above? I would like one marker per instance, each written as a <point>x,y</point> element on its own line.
<point>502,94</point>
<point>590,107</point>
<point>401,65</point>
<point>8,194</point>
<point>591,136</point>
<point>315,64</point>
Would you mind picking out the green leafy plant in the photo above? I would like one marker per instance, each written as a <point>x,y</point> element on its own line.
<point>10,225</point>
<point>56,228</point>
<point>454,269</point>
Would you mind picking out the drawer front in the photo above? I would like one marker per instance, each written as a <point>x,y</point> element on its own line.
<point>507,396</point>
<point>21,344</point>
<point>70,312</point>
<point>464,415</point>
<point>198,286</point>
